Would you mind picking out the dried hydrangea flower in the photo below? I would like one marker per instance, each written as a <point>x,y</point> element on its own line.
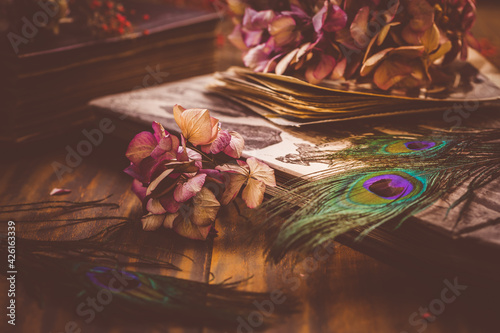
<point>319,40</point>
<point>179,185</point>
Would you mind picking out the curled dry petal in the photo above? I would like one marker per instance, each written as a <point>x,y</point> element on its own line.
<point>441,52</point>
<point>261,171</point>
<point>253,193</point>
<point>252,38</point>
<point>257,20</point>
<point>330,18</point>
<point>185,191</point>
<point>359,27</point>
<point>154,185</point>
<point>196,125</point>
<point>139,190</point>
<point>430,39</point>
<point>282,65</point>
<point>235,146</point>
<point>282,29</point>
<point>236,37</point>
<point>166,148</point>
<point>168,202</point>
<point>159,131</point>
<point>160,146</point>
<point>339,70</point>
<point>373,61</point>
<point>406,72</point>
<point>322,69</point>
<point>241,168</point>
<point>206,207</point>
<point>219,144</point>
<point>189,155</point>
<point>257,57</point>
<point>422,19</point>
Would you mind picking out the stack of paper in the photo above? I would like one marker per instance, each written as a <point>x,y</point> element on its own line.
<point>287,100</point>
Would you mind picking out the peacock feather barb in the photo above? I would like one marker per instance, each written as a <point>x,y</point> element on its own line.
<point>380,178</point>
<point>123,273</point>
<point>76,270</point>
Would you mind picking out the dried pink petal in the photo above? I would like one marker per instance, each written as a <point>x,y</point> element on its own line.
<point>236,145</point>
<point>159,131</point>
<point>139,190</point>
<point>236,37</point>
<point>168,202</point>
<point>190,188</point>
<point>257,57</point>
<point>261,171</point>
<point>253,193</point>
<point>323,68</point>
<point>219,144</point>
<point>330,18</point>
<point>282,30</point>
<point>236,181</point>
<point>60,191</point>
<point>359,27</point>
<point>141,146</point>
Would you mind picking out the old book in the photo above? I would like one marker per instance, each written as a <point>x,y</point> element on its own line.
<point>44,87</point>
<point>428,243</point>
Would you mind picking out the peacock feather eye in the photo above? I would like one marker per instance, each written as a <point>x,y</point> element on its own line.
<point>385,187</point>
<point>420,145</point>
<point>105,277</point>
<point>412,146</point>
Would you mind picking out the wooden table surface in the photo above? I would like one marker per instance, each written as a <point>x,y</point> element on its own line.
<point>346,292</point>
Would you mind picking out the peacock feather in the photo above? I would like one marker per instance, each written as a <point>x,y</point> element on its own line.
<point>102,264</point>
<point>378,179</point>
<point>128,289</point>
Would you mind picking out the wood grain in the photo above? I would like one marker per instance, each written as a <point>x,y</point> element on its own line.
<point>344,292</point>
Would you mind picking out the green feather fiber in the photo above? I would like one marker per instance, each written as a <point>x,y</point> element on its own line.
<point>319,209</point>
